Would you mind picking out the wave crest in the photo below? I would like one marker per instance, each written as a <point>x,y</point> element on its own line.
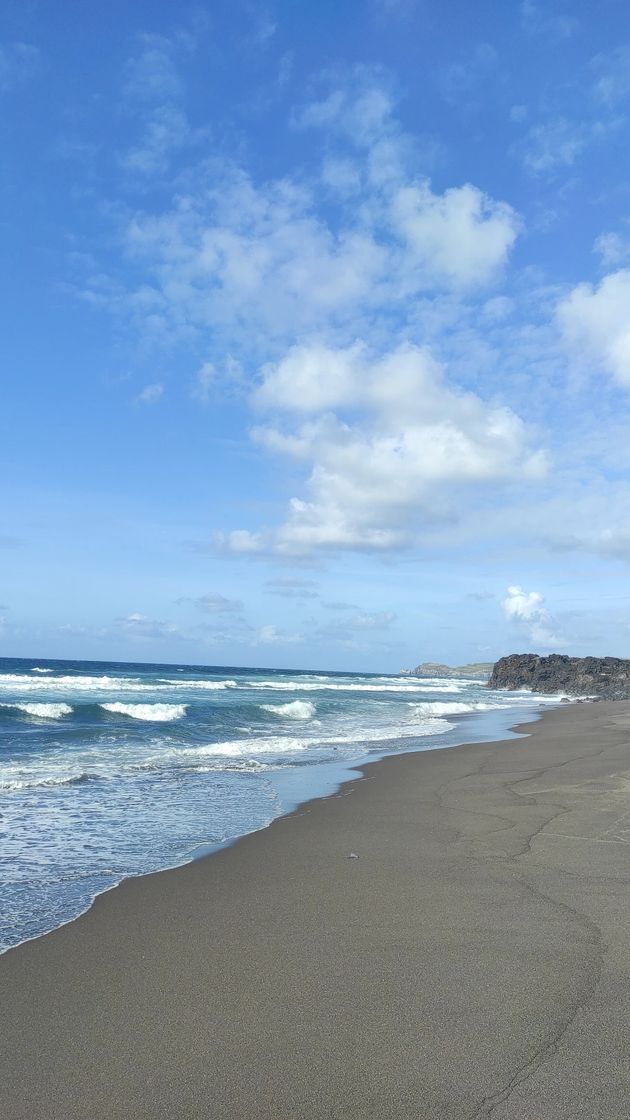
<point>42,711</point>
<point>295,709</point>
<point>160,713</point>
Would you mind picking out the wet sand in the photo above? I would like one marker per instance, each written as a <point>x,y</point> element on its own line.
<point>474,961</point>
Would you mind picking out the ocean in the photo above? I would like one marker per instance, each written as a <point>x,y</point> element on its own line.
<point>112,769</point>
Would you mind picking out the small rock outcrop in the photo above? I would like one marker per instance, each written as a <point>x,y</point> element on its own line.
<point>605,677</point>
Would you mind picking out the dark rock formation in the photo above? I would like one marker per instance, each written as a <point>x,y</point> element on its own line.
<point>606,677</point>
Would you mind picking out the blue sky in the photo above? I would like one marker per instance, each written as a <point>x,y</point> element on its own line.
<point>317,331</point>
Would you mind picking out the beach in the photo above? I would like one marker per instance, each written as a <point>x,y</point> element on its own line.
<point>473,961</point>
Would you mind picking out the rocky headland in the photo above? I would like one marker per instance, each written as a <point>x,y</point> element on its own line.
<point>476,670</point>
<point>604,677</point>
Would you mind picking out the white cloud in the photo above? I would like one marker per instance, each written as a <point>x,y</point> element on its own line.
<point>461,237</point>
<point>137,625</point>
<point>553,145</point>
<point>595,324</point>
<point>239,540</point>
<point>612,71</point>
<point>267,261</point>
<point>518,113</point>
<point>527,610</point>
<point>166,130</point>
<point>385,438</point>
<point>205,382</point>
<point>364,620</point>
<point>523,605</point>
<point>273,635</point>
<point>613,249</point>
<point>154,94</point>
<point>150,394</point>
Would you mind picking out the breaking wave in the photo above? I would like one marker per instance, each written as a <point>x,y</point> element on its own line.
<point>42,711</point>
<point>295,709</point>
<point>160,713</point>
<point>21,682</point>
<point>453,708</point>
<point>351,686</point>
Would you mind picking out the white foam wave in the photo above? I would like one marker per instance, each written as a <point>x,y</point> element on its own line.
<point>208,686</point>
<point>42,711</point>
<point>428,727</point>
<point>20,682</point>
<point>309,686</point>
<point>161,713</point>
<point>453,708</point>
<point>14,785</point>
<point>238,748</point>
<point>36,669</point>
<point>233,754</point>
<point>295,709</point>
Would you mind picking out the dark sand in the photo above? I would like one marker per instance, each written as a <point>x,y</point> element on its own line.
<point>473,962</point>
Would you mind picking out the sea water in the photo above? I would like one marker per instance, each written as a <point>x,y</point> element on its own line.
<point>111,769</point>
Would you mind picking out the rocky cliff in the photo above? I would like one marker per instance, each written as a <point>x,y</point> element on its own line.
<point>479,670</point>
<point>607,677</point>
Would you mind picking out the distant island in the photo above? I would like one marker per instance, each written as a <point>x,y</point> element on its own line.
<point>478,670</point>
<point>605,677</point>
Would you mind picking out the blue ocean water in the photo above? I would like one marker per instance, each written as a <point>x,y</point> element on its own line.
<point>110,769</point>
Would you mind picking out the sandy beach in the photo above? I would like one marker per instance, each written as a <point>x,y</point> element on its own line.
<point>472,962</point>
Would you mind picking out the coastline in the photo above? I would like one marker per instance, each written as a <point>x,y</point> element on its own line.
<point>293,787</point>
<point>438,974</point>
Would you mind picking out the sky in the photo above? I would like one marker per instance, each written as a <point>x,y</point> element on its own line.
<point>316,341</point>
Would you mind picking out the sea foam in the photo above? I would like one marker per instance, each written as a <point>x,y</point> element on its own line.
<point>42,711</point>
<point>453,708</point>
<point>160,713</point>
<point>295,709</point>
<point>351,686</point>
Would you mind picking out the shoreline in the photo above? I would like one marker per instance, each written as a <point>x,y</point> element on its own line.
<point>280,978</point>
<point>340,774</point>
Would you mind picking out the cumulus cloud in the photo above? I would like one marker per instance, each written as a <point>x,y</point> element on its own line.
<point>528,611</point>
<point>233,253</point>
<point>613,248</point>
<point>461,237</point>
<point>150,394</point>
<point>137,625</point>
<point>153,94</point>
<point>383,439</point>
<point>274,635</point>
<point>595,323</point>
